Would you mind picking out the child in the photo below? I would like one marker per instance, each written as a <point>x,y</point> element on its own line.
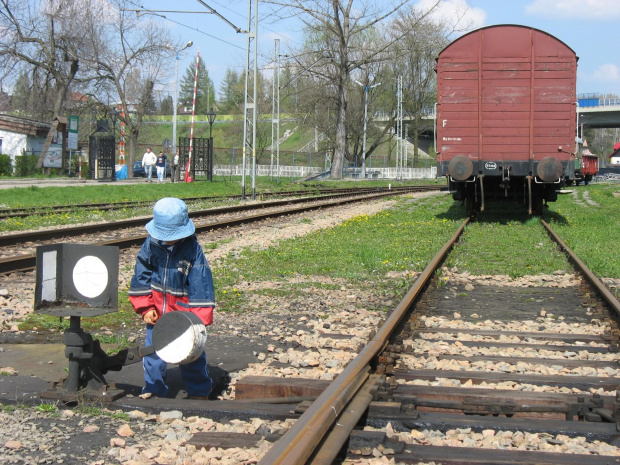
<point>172,274</point>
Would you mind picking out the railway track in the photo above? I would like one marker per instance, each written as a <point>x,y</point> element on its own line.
<point>413,350</point>
<point>456,374</point>
<point>18,251</point>
<point>23,212</point>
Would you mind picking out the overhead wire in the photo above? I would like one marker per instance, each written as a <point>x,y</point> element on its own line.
<point>265,57</point>
<point>185,25</point>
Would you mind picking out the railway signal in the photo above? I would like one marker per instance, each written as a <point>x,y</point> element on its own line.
<point>77,280</point>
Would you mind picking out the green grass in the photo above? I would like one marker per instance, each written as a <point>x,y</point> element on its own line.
<point>366,251</point>
<point>591,231</point>
<point>514,248</point>
<point>149,193</point>
<point>360,249</point>
<point>47,408</point>
<point>504,240</point>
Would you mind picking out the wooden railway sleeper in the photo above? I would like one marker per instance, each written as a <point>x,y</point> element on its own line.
<point>387,409</point>
<point>468,406</point>
<point>591,410</point>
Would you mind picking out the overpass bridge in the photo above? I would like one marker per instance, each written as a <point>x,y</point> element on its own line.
<point>592,112</point>
<point>596,112</point>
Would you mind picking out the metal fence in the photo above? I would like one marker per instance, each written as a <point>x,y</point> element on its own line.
<point>295,172</point>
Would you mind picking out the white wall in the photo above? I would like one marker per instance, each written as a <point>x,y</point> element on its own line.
<point>615,160</point>
<point>14,143</point>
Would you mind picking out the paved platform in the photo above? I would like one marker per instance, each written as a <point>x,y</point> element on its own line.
<point>65,182</point>
<point>38,366</point>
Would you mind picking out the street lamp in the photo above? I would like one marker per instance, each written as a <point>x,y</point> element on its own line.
<point>114,117</point>
<point>211,115</point>
<point>176,97</point>
<point>366,89</point>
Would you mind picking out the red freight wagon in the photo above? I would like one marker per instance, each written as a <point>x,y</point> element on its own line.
<point>586,168</point>
<point>506,116</point>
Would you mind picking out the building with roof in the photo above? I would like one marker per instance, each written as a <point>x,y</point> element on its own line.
<point>614,158</point>
<point>21,135</point>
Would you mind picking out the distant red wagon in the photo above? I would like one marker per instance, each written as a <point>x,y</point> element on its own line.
<point>506,116</point>
<point>587,169</point>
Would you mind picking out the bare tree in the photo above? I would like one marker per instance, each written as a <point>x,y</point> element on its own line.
<point>94,45</point>
<point>133,61</point>
<point>47,40</point>
<point>340,26</point>
<point>414,58</point>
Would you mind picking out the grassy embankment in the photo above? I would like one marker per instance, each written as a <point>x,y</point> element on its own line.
<point>228,133</point>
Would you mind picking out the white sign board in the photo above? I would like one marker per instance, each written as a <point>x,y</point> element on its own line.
<point>72,132</point>
<point>53,157</point>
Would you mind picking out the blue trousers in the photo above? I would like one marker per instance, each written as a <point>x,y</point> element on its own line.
<point>195,375</point>
<point>149,172</point>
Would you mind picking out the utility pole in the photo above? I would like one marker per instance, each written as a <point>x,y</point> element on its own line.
<point>399,129</point>
<point>275,109</point>
<point>249,119</point>
<point>366,89</point>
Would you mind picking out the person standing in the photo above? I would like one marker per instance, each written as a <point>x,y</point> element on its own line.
<point>172,274</point>
<point>148,161</point>
<point>161,167</point>
<point>174,168</point>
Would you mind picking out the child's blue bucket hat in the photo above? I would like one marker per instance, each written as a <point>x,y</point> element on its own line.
<point>170,220</point>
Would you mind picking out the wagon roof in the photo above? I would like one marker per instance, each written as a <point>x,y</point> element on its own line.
<point>477,31</point>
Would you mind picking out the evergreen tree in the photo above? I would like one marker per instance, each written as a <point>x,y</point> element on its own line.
<point>231,91</point>
<point>205,93</point>
<point>21,100</point>
<point>166,106</point>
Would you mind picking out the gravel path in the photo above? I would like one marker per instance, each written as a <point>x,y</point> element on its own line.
<point>32,436</point>
<point>298,333</point>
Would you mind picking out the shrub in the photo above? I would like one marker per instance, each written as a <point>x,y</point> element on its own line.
<point>25,165</point>
<point>6,167</point>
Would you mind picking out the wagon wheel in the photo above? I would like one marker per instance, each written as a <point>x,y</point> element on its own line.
<point>537,206</point>
<point>471,206</point>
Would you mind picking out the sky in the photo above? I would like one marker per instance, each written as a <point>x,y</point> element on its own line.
<point>590,27</point>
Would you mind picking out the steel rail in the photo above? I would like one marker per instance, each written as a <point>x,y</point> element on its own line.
<point>57,233</point>
<point>301,440</point>
<point>590,276</point>
<point>27,262</point>
<point>23,212</point>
